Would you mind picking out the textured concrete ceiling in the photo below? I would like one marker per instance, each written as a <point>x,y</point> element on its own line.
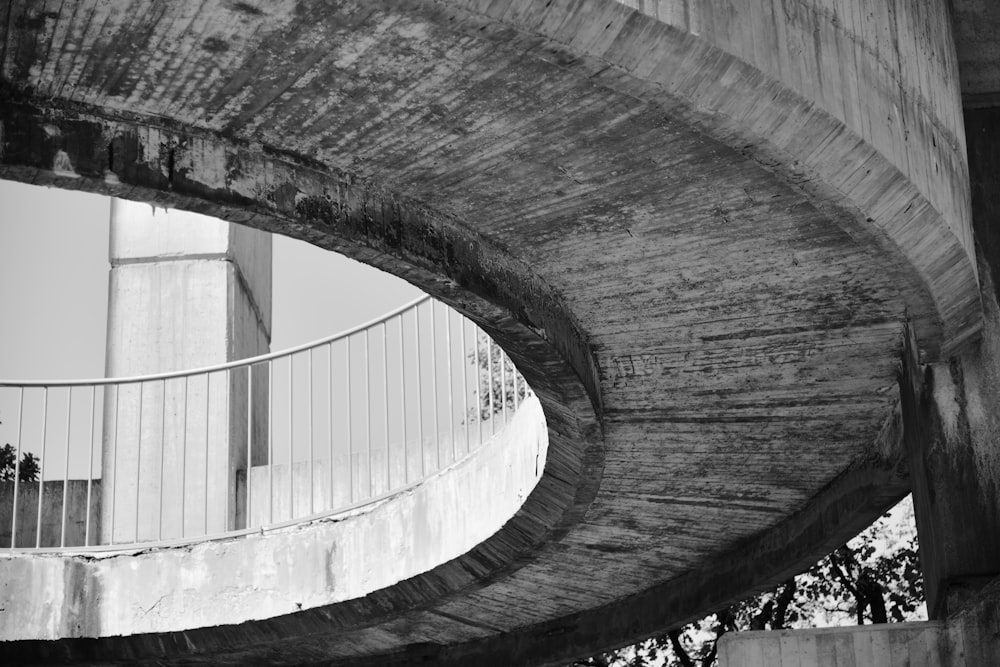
<point>713,325</point>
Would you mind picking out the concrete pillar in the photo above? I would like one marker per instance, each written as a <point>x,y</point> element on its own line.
<point>951,414</point>
<point>186,291</point>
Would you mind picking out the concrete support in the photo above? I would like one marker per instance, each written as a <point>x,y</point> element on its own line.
<point>951,413</point>
<point>186,291</point>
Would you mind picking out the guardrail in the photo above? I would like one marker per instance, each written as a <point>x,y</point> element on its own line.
<point>252,444</point>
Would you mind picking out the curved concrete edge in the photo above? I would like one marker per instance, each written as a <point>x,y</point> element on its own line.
<point>909,196</point>
<point>69,148</point>
<point>838,513</point>
<point>279,572</point>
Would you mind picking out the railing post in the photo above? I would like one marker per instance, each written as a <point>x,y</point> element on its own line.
<point>17,467</point>
<point>402,401</point>
<point>69,417</point>
<point>465,385</point>
<point>249,464</point>
<point>270,442</point>
<point>41,468</point>
<point>368,418</point>
<point>138,463</point>
<point>309,416</point>
<point>184,439</point>
<point>208,441</point>
<point>434,388</point>
<point>451,382</point>
<point>385,402</point>
<point>479,387</point>
<point>163,442</point>
<point>329,393</point>
<point>90,467</point>
<point>420,390</point>
<point>350,424</point>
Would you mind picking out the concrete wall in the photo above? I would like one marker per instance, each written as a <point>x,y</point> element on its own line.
<point>970,639</point>
<point>52,517</point>
<point>186,291</point>
<point>283,571</point>
<point>863,646</point>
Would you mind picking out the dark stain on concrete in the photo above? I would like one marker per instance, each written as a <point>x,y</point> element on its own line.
<point>611,548</point>
<point>215,45</point>
<point>317,209</point>
<point>247,8</point>
<point>35,21</point>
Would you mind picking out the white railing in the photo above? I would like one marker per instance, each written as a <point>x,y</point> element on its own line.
<point>252,444</point>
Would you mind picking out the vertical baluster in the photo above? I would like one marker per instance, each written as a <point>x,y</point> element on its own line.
<point>329,389</point>
<point>17,467</point>
<point>114,467</point>
<point>224,468</point>
<point>309,415</point>
<point>291,437</point>
<point>41,471</point>
<point>350,425</point>
<point>479,387</point>
<point>489,383</point>
<point>451,381</point>
<point>90,466</point>
<point>517,380</point>
<point>65,495</point>
<point>503,388</point>
<point>420,390</point>
<point>402,402</point>
<point>163,446</point>
<point>184,447</point>
<point>249,463</point>
<point>434,390</point>
<point>465,385</point>
<point>385,402</point>
<point>208,412</point>
<point>368,418</point>
<point>270,441</point>
<point>138,462</point>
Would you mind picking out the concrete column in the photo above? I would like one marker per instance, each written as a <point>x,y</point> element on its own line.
<point>186,291</point>
<point>952,416</point>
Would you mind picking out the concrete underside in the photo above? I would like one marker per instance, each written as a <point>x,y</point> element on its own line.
<point>701,258</point>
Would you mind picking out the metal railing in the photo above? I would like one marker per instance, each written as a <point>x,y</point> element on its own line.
<point>251,444</point>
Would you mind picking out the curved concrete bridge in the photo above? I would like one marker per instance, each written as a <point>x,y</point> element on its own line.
<point>705,231</point>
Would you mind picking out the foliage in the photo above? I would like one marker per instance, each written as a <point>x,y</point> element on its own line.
<point>874,578</point>
<point>505,385</point>
<point>26,472</point>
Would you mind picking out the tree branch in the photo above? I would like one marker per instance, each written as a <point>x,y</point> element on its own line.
<point>781,608</point>
<point>679,650</point>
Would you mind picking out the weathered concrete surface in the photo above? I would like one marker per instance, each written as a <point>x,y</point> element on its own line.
<point>967,639</point>
<point>185,291</point>
<point>282,571</point>
<point>700,254</point>
<point>953,409</point>
<point>925,644</point>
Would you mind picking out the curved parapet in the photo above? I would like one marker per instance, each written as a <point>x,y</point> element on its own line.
<point>262,575</point>
<point>859,105</point>
<point>698,229</point>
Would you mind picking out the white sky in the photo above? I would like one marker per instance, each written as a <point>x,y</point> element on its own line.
<point>54,273</point>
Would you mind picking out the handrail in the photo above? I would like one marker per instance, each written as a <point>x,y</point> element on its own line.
<point>238,363</point>
<point>250,445</point>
